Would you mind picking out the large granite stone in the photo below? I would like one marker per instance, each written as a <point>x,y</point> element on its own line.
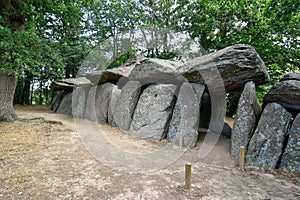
<point>291,156</point>
<point>102,99</point>
<point>153,112</point>
<point>65,106</point>
<point>69,84</point>
<point>90,108</point>
<point>156,71</point>
<point>116,92</point>
<point>186,114</point>
<point>247,115</point>
<point>116,74</point>
<point>79,97</point>
<point>126,104</point>
<point>265,147</point>
<point>291,76</point>
<point>56,100</point>
<point>237,65</point>
<point>287,93</point>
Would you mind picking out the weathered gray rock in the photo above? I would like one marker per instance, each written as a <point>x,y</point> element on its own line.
<point>115,74</point>
<point>291,76</point>
<point>126,104</point>
<point>59,86</point>
<point>237,65</point>
<point>186,114</point>
<point>103,95</point>
<point>153,112</point>
<point>265,147</point>
<point>90,108</point>
<point>69,84</point>
<point>79,97</point>
<point>116,92</point>
<point>56,100</point>
<point>77,81</point>
<point>65,106</point>
<point>109,75</point>
<point>247,115</point>
<point>287,93</point>
<point>156,71</point>
<point>291,156</point>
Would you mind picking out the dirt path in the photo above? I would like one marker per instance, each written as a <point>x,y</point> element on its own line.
<point>45,160</point>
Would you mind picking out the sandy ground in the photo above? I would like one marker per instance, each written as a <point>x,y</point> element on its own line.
<point>44,156</point>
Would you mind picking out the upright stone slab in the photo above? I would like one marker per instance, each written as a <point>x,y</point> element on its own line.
<point>126,104</point>
<point>265,147</point>
<point>116,92</point>
<point>103,95</point>
<point>79,96</point>
<point>246,119</point>
<point>90,108</point>
<point>57,100</point>
<point>153,112</point>
<point>185,118</point>
<point>291,156</point>
<point>65,107</point>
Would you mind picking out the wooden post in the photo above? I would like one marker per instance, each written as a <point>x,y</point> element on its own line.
<point>188,176</point>
<point>242,157</point>
<point>180,139</point>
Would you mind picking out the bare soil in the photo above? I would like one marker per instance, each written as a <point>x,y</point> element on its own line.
<point>42,156</point>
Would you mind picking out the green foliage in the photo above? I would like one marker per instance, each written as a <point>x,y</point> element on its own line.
<point>58,35</point>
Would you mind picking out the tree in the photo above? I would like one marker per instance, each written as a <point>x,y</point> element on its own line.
<point>12,21</point>
<point>54,48</point>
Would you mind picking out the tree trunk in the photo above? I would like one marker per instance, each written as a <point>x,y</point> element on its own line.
<point>13,17</point>
<point>7,90</point>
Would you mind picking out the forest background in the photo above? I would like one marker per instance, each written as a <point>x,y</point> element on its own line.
<point>42,40</point>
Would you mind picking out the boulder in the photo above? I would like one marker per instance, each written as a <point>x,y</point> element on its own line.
<point>113,104</point>
<point>59,86</point>
<point>291,76</point>
<point>153,112</point>
<point>69,84</point>
<point>156,71</point>
<point>115,74</point>
<point>291,156</point>
<point>79,97</point>
<point>126,104</point>
<point>90,108</point>
<point>79,81</point>
<point>65,106</point>
<point>186,114</point>
<point>237,65</point>
<point>286,93</point>
<point>247,115</point>
<point>56,100</point>
<point>103,94</point>
<point>265,147</point>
